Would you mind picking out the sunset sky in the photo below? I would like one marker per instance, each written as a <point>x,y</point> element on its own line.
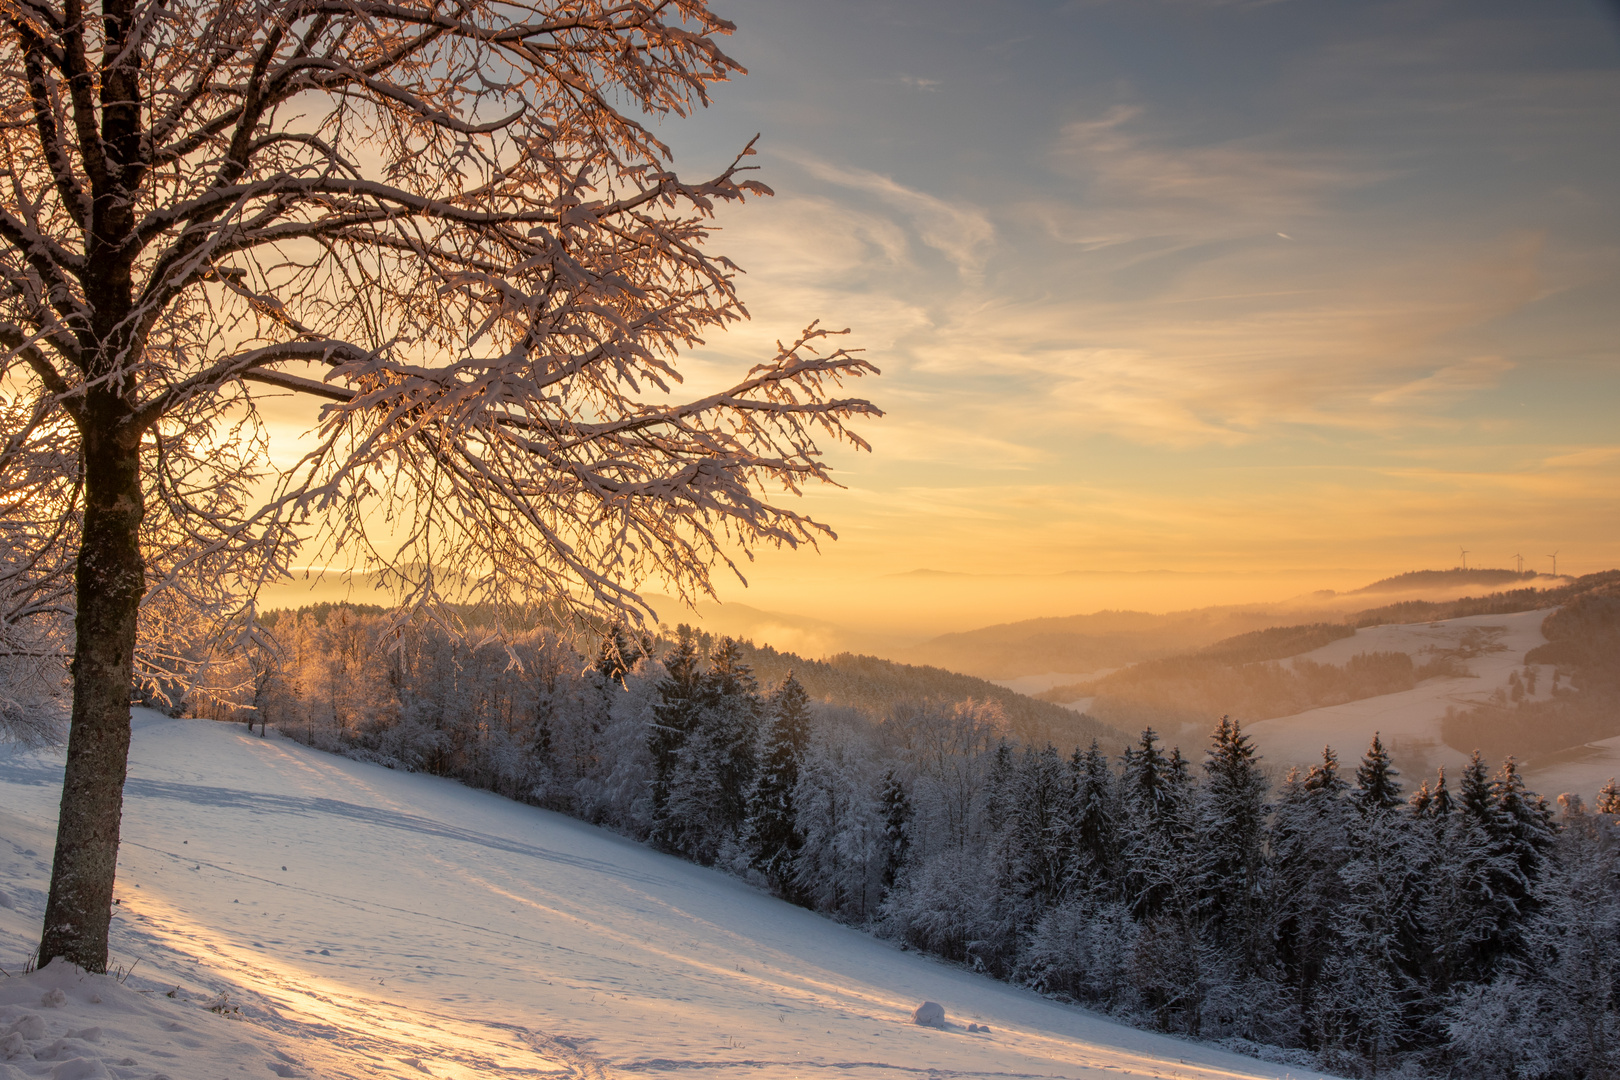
<point>1230,288</point>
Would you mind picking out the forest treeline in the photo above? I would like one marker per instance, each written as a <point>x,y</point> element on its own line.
<point>867,683</point>
<point>1335,922</point>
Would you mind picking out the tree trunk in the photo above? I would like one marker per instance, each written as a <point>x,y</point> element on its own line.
<point>111,575</point>
<point>111,580</point>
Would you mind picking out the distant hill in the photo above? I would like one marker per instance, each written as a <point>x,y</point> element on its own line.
<point>1084,643</point>
<point>1418,580</point>
<point>875,686</point>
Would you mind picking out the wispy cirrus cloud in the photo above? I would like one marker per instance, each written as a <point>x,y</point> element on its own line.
<point>1139,182</point>
<point>961,232</point>
<point>1447,383</point>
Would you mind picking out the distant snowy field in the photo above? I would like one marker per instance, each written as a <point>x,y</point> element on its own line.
<point>349,921</point>
<point>1410,720</point>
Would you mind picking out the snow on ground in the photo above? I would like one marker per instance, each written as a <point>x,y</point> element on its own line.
<point>1410,721</point>
<point>347,921</point>
<point>63,1024</point>
<point>1581,769</point>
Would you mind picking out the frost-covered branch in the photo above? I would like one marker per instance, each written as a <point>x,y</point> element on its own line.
<point>448,229</point>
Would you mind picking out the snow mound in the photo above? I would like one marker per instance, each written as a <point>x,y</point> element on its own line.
<point>929,1014</point>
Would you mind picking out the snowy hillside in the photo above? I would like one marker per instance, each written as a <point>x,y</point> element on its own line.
<point>349,921</point>
<point>1492,648</point>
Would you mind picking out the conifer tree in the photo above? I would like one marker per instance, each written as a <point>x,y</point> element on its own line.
<point>713,773</point>
<point>1432,801</point>
<point>734,696</point>
<point>1609,798</point>
<point>1172,960</point>
<point>1231,840</point>
<point>1499,896</point>
<point>1039,855</point>
<point>1369,979</point>
<point>897,815</point>
<point>773,834</point>
<point>1152,809</point>
<point>1525,823</point>
<point>839,867</point>
<point>1459,875</point>
<point>1422,800</point>
<point>1474,797</point>
<point>1002,796</point>
<point>618,653</point>
<point>1525,830</point>
<point>1094,825</point>
<point>1178,771</point>
<point>1306,838</point>
<point>1572,954</point>
<point>1324,777</point>
<point>1377,786</point>
<point>675,714</point>
<point>1441,804</point>
<point>1146,777</point>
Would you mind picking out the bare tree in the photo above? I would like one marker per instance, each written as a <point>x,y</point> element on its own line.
<point>441,223</point>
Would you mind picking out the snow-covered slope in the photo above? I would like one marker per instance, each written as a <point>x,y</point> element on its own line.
<point>371,923</point>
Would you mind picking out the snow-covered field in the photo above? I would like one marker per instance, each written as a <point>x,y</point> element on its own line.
<point>1410,721</point>
<point>344,920</point>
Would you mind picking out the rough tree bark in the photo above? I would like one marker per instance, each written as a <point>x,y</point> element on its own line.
<point>111,578</point>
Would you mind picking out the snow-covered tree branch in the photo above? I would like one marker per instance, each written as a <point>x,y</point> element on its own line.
<point>449,229</point>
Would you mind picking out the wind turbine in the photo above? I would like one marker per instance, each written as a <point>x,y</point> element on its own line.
<point>1464,556</point>
<point>1554,558</point>
<point>1520,560</point>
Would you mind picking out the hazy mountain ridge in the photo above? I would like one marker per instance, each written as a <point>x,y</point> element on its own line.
<point>1428,579</point>
<point>1081,643</point>
<point>876,686</point>
<point>1179,670</point>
